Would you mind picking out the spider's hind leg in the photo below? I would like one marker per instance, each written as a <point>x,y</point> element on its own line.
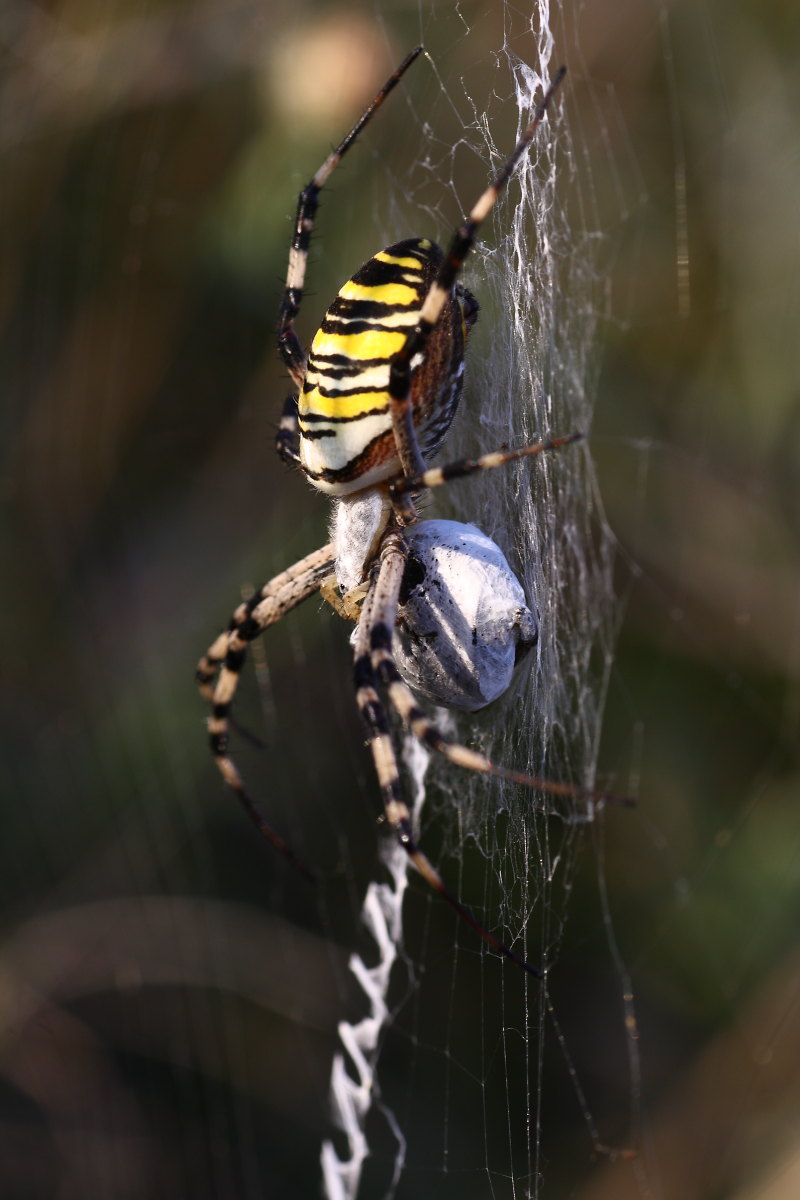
<point>287,439</point>
<point>438,476</point>
<point>289,347</point>
<point>436,299</point>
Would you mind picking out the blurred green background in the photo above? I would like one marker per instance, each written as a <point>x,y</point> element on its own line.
<point>170,993</point>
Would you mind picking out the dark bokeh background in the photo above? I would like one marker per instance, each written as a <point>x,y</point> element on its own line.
<point>169,994</point>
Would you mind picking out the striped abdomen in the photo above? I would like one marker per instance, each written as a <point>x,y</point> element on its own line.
<point>346,438</point>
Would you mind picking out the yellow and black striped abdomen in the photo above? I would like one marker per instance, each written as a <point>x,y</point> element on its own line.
<point>346,438</point>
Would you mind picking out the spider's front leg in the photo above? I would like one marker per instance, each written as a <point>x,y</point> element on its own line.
<point>374,637</point>
<point>266,606</point>
<point>383,614</point>
<point>220,667</point>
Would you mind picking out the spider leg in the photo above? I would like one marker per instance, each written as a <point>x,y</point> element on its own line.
<point>316,564</point>
<point>289,346</point>
<point>436,299</point>
<point>383,618</point>
<point>225,658</point>
<point>437,476</point>
<point>385,760</point>
<point>287,439</point>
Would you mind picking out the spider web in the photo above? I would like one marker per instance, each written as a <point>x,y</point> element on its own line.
<point>531,374</point>
<point>171,994</point>
<point>472,1106</point>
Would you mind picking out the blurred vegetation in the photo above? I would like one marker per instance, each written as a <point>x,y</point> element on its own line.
<point>170,993</point>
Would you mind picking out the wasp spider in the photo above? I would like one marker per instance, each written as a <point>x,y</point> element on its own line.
<point>374,399</point>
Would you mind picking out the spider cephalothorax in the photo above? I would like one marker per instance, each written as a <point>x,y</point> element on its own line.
<point>375,397</point>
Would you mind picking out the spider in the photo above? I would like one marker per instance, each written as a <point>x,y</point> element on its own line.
<point>374,399</point>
